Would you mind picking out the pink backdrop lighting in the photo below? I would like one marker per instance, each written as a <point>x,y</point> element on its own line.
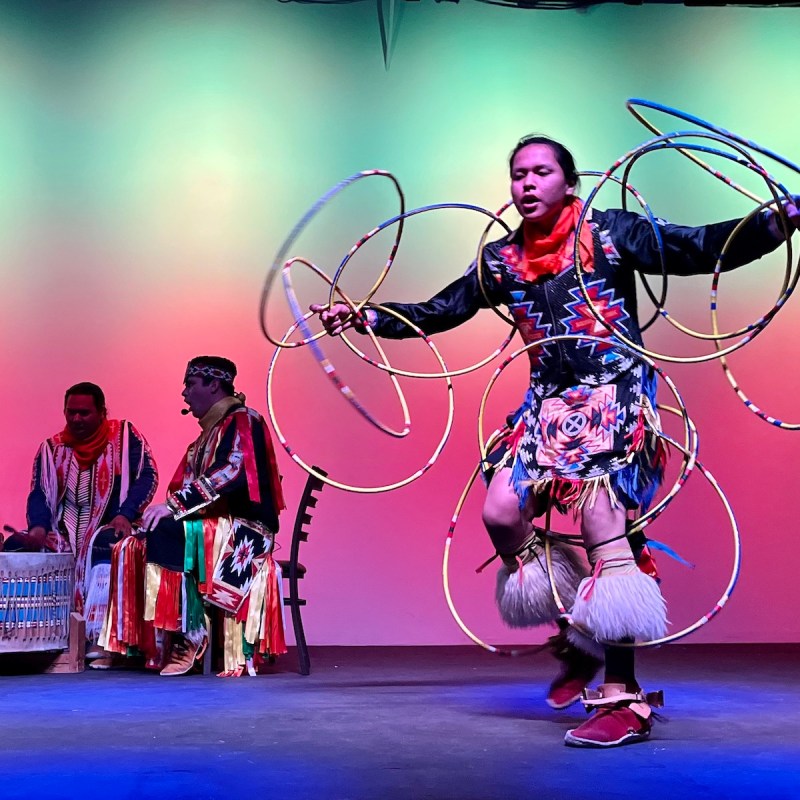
<point>154,155</point>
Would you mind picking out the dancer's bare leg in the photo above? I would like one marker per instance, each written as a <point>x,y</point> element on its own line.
<point>508,526</point>
<point>621,604</point>
<point>524,594</point>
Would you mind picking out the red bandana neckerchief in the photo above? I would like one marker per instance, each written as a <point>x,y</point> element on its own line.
<point>548,255</point>
<point>87,451</point>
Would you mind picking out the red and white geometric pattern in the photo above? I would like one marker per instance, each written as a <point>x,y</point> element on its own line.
<point>579,423</point>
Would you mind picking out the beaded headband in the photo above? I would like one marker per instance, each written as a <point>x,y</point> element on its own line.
<point>205,371</point>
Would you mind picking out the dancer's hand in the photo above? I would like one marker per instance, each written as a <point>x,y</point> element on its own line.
<point>791,208</point>
<point>337,318</point>
<point>793,211</point>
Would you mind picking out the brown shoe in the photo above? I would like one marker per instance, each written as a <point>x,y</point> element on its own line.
<point>182,656</point>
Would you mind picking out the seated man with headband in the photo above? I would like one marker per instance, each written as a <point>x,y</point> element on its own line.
<point>210,543</point>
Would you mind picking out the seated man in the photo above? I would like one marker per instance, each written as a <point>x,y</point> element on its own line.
<point>212,539</point>
<point>90,482</point>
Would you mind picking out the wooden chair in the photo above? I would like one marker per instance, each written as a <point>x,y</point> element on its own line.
<point>294,571</point>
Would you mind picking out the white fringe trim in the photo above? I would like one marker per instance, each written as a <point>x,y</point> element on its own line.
<point>96,605</point>
<point>626,606</point>
<point>525,599</point>
<point>196,637</point>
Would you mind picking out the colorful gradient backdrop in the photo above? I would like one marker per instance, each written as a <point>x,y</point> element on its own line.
<point>155,154</point>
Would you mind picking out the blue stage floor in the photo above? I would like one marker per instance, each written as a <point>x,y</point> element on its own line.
<point>400,723</point>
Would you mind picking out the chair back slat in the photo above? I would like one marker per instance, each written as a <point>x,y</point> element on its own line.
<point>308,501</point>
<point>303,516</point>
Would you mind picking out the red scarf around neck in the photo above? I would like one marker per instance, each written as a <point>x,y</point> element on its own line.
<point>549,254</point>
<point>87,451</point>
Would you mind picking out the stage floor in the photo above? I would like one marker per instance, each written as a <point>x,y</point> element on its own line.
<point>439,723</point>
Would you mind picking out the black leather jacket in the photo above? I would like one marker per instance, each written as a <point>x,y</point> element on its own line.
<point>623,243</point>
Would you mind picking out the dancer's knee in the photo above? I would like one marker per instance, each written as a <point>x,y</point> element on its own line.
<point>502,513</point>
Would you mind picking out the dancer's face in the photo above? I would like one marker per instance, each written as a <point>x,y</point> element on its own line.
<point>539,189</point>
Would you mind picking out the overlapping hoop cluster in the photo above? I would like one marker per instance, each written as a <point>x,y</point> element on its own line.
<point>705,139</point>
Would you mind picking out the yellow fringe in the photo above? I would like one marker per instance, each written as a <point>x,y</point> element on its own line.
<point>234,654</point>
<point>152,582</point>
<point>255,617</point>
<point>222,533</point>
